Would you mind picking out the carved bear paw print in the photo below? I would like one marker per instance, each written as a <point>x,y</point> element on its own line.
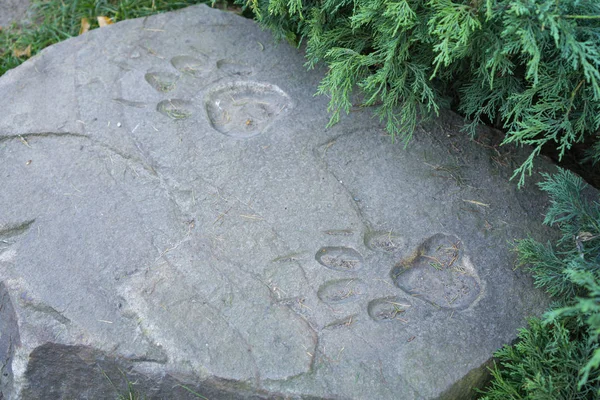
<point>436,274</point>
<point>240,109</point>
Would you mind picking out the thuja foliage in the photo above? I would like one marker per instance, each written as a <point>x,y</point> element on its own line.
<point>544,364</point>
<point>528,66</point>
<point>559,357</point>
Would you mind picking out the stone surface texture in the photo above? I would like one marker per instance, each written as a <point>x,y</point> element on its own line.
<point>176,217</point>
<point>12,11</point>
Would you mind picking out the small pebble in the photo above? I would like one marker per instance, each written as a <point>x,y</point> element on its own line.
<point>118,124</point>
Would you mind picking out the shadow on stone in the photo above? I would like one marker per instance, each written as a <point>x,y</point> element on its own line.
<point>58,371</point>
<point>466,388</point>
<point>9,338</point>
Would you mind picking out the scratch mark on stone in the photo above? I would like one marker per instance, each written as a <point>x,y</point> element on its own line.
<point>129,103</point>
<point>7,137</point>
<point>50,311</point>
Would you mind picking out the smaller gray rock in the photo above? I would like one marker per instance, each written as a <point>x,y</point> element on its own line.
<point>12,10</point>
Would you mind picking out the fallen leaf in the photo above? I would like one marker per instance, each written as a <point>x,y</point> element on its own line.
<point>104,21</point>
<point>24,141</point>
<point>26,52</point>
<point>585,236</point>
<point>85,26</point>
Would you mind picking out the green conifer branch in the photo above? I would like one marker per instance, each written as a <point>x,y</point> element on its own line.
<point>530,66</point>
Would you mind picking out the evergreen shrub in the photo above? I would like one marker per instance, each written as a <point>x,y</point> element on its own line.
<point>559,357</point>
<point>530,67</point>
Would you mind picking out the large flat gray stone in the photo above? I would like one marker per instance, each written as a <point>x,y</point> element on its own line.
<point>175,213</point>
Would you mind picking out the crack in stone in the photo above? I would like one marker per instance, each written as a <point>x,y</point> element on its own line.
<point>154,354</point>
<point>167,188</point>
<point>12,231</point>
<point>143,163</point>
<point>23,136</point>
<point>320,160</point>
<point>373,348</point>
<point>130,103</point>
<point>237,332</point>
<point>270,225</point>
<point>216,312</point>
<point>9,236</point>
<point>126,156</point>
<point>312,365</point>
<point>123,155</point>
<point>257,278</point>
<point>50,311</point>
